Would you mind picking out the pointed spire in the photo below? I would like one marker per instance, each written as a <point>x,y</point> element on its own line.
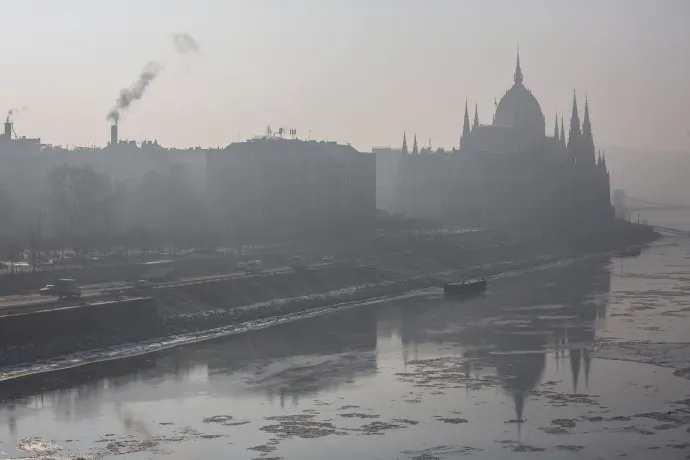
<point>415,149</point>
<point>575,133</point>
<point>555,129</point>
<point>588,149</point>
<point>518,70</point>
<point>563,140</point>
<point>466,124</point>
<point>404,146</point>
<point>587,125</point>
<point>465,127</point>
<point>476,117</point>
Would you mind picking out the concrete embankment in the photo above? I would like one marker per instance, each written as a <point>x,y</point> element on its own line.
<point>203,306</point>
<point>128,317</point>
<point>190,308</point>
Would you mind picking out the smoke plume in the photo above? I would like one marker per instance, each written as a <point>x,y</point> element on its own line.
<point>185,43</point>
<point>13,111</point>
<point>135,91</point>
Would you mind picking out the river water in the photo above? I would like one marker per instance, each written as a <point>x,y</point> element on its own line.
<point>510,373</point>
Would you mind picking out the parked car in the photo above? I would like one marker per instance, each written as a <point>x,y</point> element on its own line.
<point>47,290</point>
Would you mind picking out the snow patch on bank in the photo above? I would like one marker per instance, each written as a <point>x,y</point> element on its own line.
<point>140,348</point>
<point>334,294</point>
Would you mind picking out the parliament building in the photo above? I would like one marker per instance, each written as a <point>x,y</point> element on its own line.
<point>510,172</point>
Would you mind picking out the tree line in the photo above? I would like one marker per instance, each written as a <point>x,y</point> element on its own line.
<point>79,206</point>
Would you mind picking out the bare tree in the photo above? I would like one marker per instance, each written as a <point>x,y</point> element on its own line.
<point>78,200</point>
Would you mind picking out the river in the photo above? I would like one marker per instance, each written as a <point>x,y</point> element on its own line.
<point>572,361</point>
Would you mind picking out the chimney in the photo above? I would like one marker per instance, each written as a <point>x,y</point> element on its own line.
<point>113,134</point>
<point>8,129</point>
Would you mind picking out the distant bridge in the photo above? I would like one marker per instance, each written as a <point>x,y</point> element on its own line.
<point>638,204</point>
<point>627,204</point>
<point>670,231</point>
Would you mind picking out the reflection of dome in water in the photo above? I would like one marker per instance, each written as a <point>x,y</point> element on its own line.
<point>519,108</point>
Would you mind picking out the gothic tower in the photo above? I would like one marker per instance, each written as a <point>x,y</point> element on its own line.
<point>465,139</point>
<point>587,150</point>
<point>575,134</point>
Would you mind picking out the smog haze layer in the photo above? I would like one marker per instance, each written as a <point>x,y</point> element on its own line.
<point>356,72</point>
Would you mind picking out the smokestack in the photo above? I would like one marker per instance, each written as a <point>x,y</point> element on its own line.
<point>8,129</point>
<point>113,133</point>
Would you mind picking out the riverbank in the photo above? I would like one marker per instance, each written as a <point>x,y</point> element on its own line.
<point>395,268</point>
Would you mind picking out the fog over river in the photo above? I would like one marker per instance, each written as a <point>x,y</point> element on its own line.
<point>572,361</point>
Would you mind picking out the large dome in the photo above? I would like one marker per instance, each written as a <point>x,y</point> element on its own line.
<point>520,109</point>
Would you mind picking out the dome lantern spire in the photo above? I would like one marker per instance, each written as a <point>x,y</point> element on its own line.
<point>518,70</point>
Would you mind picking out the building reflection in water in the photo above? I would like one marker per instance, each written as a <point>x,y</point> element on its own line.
<point>518,323</point>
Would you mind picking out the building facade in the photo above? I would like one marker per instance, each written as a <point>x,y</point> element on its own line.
<point>511,172</point>
<point>272,187</point>
<point>387,160</point>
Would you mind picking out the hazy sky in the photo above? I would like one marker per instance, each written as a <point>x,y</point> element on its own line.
<point>350,70</point>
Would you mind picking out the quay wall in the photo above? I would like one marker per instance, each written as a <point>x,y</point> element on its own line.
<point>134,315</point>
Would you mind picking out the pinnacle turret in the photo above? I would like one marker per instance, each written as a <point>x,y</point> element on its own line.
<point>404,144</point>
<point>476,117</point>
<point>465,127</point>
<point>415,149</point>
<point>588,149</point>
<point>555,129</point>
<point>587,127</point>
<point>575,133</point>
